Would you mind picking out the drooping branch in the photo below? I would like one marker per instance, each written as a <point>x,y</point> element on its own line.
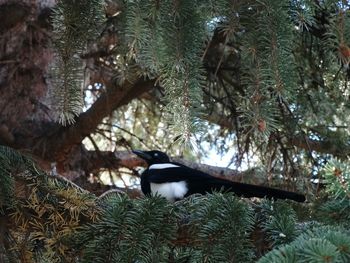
<point>327,147</point>
<point>59,143</point>
<point>302,142</point>
<point>95,161</point>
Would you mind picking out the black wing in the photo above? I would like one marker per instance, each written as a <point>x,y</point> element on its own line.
<point>174,174</point>
<point>165,175</point>
<point>202,183</point>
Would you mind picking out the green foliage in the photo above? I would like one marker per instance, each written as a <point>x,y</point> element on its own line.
<point>269,68</point>
<point>218,221</point>
<point>319,244</point>
<point>279,222</point>
<point>167,41</point>
<point>265,71</point>
<point>336,210</point>
<point>166,38</point>
<point>74,24</point>
<point>199,229</point>
<point>48,219</point>
<point>7,161</point>
<point>53,220</point>
<point>260,67</point>
<point>129,230</point>
<point>39,211</point>
<point>273,70</point>
<point>337,178</point>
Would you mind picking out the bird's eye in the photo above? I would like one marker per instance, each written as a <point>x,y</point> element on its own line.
<point>156,154</point>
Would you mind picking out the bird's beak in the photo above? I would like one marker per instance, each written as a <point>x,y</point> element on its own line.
<point>142,155</point>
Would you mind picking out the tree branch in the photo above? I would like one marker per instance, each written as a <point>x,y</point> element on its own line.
<point>94,161</point>
<point>327,147</point>
<point>112,160</point>
<point>59,143</point>
<point>298,141</point>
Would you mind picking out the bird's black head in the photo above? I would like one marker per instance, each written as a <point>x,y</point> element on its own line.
<point>152,157</point>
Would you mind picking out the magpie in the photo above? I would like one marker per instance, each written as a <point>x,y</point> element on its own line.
<point>175,181</point>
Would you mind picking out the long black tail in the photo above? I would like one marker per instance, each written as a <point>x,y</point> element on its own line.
<point>249,190</point>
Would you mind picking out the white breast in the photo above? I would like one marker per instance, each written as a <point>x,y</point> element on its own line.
<point>162,166</point>
<point>171,191</point>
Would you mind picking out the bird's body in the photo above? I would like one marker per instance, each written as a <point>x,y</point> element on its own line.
<point>175,181</point>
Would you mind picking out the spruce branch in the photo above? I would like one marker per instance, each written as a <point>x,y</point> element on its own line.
<point>63,139</point>
<point>337,176</point>
<point>319,244</point>
<point>43,209</point>
<point>279,221</point>
<point>166,40</point>
<point>75,23</point>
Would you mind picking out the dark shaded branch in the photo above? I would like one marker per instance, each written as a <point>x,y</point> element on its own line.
<point>59,143</point>
<point>112,160</point>
<point>302,142</point>
<point>327,147</point>
<point>6,137</point>
<point>12,14</point>
<point>95,161</point>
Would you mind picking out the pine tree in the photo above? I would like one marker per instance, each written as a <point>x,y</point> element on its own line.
<point>54,220</point>
<point>275,72</point>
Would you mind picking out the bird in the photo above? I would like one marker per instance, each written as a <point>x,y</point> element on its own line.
<point>175,181</point>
